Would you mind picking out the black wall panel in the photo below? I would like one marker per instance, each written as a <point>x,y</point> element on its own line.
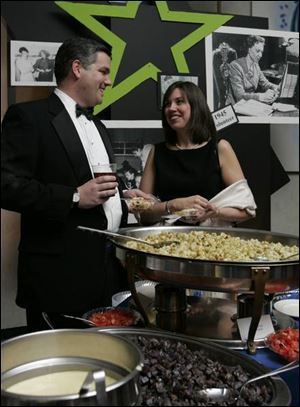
<point>149,40</point>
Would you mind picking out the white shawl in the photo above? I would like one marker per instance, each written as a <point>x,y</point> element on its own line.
<point>237,195</point>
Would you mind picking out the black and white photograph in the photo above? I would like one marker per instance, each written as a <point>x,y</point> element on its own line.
<point>131,148</point>
<point>257,71</point>
<point>32,63</point>
<point>165,80</point>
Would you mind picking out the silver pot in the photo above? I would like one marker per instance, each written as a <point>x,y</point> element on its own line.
<point>108,367</point>
<point>281,395</point>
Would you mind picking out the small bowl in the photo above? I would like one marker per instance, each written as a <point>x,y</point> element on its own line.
<point>289,307</point>
<point>119,297</point>
<point>146,287</point>
<point>186,213</point>
<point>285,343</point>
<point>113,316</point>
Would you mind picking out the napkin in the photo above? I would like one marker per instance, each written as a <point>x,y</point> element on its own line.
<point>237,195</point>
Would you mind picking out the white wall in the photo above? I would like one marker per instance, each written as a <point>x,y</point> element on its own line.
<point>11,315</point>
<point>285,202</point>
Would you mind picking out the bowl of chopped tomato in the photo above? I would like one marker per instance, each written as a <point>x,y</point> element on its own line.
<point>285,343</point>
<point>113,316</point>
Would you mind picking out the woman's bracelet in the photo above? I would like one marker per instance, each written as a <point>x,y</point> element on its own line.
<point>167,209</point>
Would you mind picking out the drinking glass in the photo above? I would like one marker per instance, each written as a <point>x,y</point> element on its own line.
<point>104,169</point>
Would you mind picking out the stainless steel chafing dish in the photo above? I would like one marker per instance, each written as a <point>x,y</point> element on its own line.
<point>280,392</point>
<point>223,276</point>
<point>220,276</point>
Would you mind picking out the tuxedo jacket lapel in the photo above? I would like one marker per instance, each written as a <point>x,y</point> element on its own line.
<point>70,139</point>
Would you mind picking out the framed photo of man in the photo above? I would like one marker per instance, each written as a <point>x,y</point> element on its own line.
<point>132,143</point>
<point>32,63</point>
<point>165,80</point>
<point>257,71</point>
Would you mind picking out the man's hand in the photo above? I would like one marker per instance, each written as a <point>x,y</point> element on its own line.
<point>97,191</point>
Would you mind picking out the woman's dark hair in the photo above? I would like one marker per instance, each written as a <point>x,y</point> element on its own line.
<point>201,124</point>
<point>84,49</point>
<point>253,39</point>
<point>23,49</point>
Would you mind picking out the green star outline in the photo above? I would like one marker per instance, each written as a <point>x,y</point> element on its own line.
<point>84,14</point>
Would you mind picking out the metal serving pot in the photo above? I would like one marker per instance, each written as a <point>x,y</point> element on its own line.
<point>259,276</point>
<point>106,368</point>
<point>281,395</point>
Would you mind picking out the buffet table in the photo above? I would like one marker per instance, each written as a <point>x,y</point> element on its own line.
<point>270,360</point>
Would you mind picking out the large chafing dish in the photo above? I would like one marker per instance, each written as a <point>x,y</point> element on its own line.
<point>220,276</point>
<point>281,395</point>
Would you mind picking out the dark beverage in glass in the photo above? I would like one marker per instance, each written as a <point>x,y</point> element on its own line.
<point>105,169</point>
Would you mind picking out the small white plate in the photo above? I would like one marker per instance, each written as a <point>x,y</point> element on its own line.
<point>288,307</point>
<point>146,288</point>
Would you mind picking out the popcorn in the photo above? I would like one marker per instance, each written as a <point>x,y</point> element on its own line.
<point>215,246</point>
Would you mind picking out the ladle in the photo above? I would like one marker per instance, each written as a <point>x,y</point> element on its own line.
<point>126,237</point>
<point>98,379</point>
<point>218,394</point>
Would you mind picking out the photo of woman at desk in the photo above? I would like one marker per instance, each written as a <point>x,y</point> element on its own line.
<point>262,75</point>
<point>246,76</point>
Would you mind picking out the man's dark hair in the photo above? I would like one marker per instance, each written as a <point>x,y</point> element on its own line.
<point>201,124</point>
<point>83,49</point>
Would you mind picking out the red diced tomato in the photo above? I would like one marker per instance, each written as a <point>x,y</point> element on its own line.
<point>116,317</point>
<point>285,343</point>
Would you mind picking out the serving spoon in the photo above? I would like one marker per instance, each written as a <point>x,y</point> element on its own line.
<point>126,237</point>
<point>264,258</point>
<point>87,321</point>
<point>218,394</point>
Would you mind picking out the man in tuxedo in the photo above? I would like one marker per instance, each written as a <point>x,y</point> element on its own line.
<point>48,149</point>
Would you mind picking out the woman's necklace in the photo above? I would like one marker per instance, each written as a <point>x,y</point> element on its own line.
<point>187,148</point>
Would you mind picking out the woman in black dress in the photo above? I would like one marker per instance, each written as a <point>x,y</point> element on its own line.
<point>190,167</point>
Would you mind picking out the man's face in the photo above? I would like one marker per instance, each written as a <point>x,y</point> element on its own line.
<point>94,79</point>
<point>256,51</point>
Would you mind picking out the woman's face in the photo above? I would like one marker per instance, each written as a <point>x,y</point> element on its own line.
<point>177,110</point>
<point>256,51</point>
<point>24,54</point>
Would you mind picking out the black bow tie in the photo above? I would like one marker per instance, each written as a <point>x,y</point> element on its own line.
<point>86,111</point>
